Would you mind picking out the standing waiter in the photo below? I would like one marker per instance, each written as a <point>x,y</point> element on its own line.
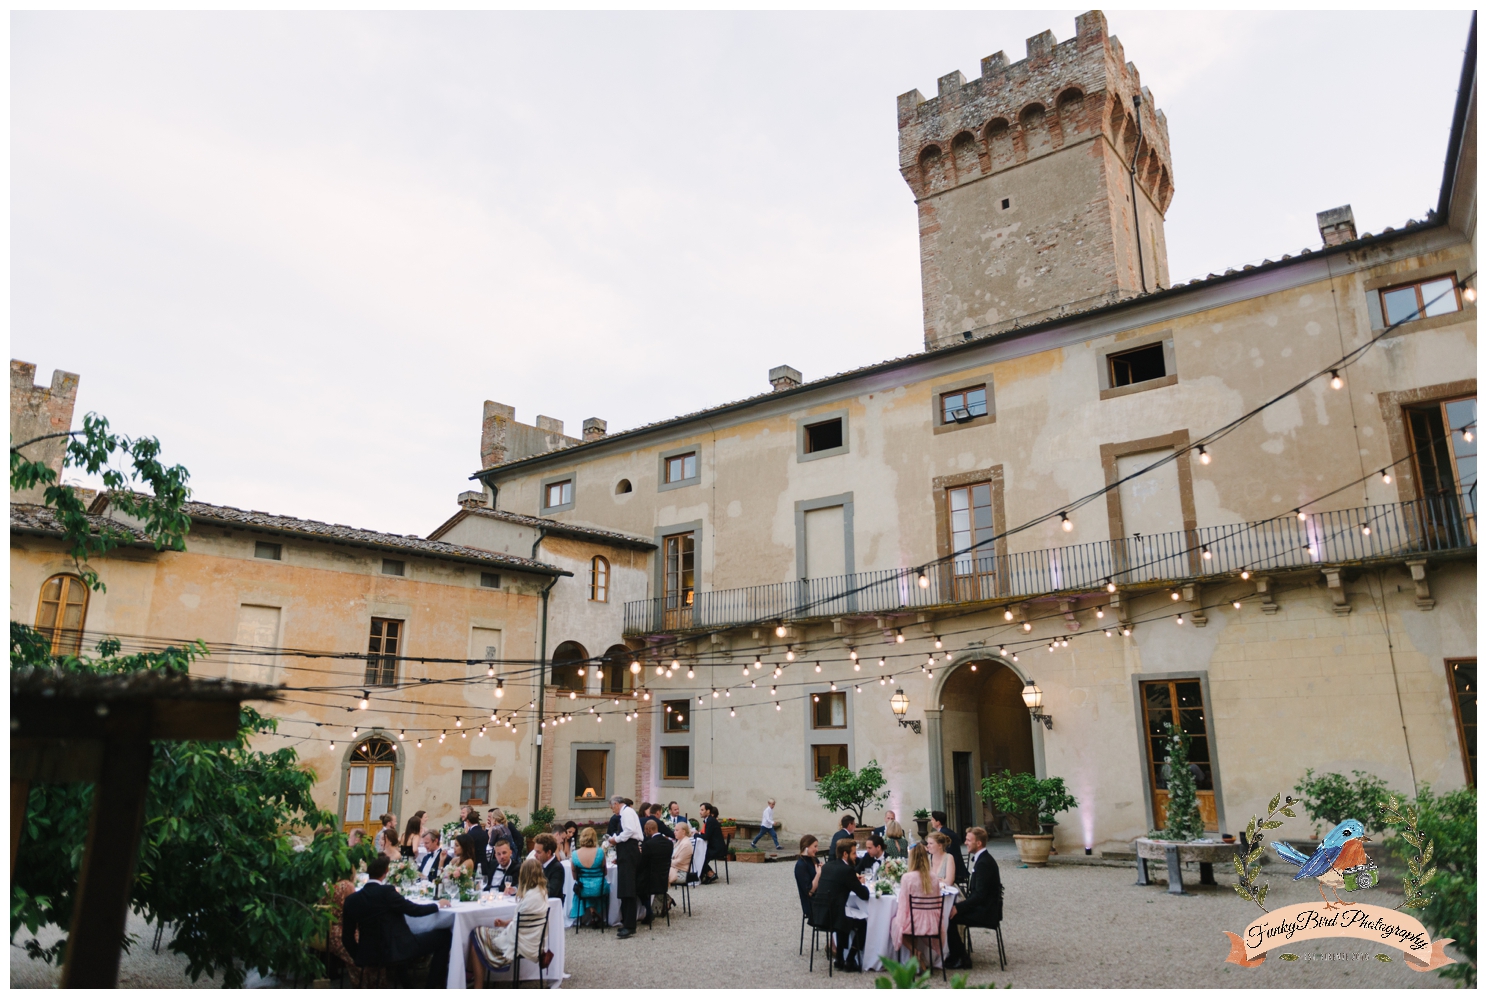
<point>627,859</point>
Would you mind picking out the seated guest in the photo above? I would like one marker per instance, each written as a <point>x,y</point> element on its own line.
<point>712,835</point>
<point>868,863</point>
<point>570,829</point>
<point>374,918</point>
<point>590,889</point>
<point>883,829</point>
<point>464,854</point>
<point>982,905</point>
<point>412,837</point>
<point>560,835</point>
<point>807,867</point>
<point>941,864</point>
<point>545,847</point>
<point>894,839</point>
<point>939,823</point>
<point>917,880</point>
<point>504,868</point>
<point>655,867</point>
<point>836,881</point>
<point>659,814</point>
<point>433,859</point>
<point>674,814</point>
<point>495,947</point>
<point>681,853</point>
<point>847,831</point>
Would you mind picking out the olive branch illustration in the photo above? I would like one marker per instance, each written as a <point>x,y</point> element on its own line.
<point>1248,866</point>
<point>1415,895</point>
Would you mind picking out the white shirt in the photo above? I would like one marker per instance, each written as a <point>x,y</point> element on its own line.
<point>629,826</point>
<point>768,820</point>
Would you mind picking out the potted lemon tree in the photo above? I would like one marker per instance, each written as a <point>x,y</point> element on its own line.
<point>1036,803</point>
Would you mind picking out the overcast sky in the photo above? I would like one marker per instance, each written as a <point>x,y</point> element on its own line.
<point>302,249</point>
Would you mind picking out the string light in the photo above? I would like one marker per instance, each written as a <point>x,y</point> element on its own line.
<point>572,695</point>
<point>1206,552</point>
<point>403,734</point>
<point>1336,380</point>
<point>789,653</point>
<point>676,664</point>
<point>354,732</point>
<point>1027,626</point>
<point>1300,515</point>
<point>580,671</point>
<point>1065,522</point>
<point>778,672</point>
<point>753,683</point>
<point>715,693</point>
<point>1099,612</point>
<point>777,705</point>
<point>732,713</point>
<point>1236,605</point>
<point>816,698</point>
<point>691,673</point>
<point>1002,651</point>
<point>1469,293</point>
<point>1124,631</point>
<point>882,681</point>
<point>1203,456</point>
<point>1109,633</point>
<point>332,743</point>
<point>364,701</point>
<point>635,668</point>
<point>1387,477</point>
<point>500,688</point>
<point>459,723</point>
<point>882,661</point>
<point>1109,588</point>
<point>779,631</point>
<point>598,674</point>
<point>859,688</point>
<point>898,636</point>
<point>660,670</point>
<point>1467,435</point>
<point>758,662</point>
<point>939,644</point>
<point>772,691</point>
<point>420,743</point>
<point>1176,595</point>
<point>746,671</point>
<point>1244,574</point>
<point>1007,614</point>
<point>1014,657</point>
<point>818,667</point>
<point>1050,646</point>
<point>973,667</point>
<point>857,667</point>
<point>1179,619</point>
<point>923,580</point>
<point>1366,529</point>
<point>852,654</point>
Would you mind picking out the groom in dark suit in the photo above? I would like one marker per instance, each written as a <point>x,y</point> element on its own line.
<point>982,905</point>
<point>377,934</point>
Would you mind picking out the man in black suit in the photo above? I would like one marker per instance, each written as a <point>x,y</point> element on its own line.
<point>867,865</point>
<point>433,858</point>
<point>882,830</point>
<point>377,934</point>
<point>545,845</point>
<point>847,831</point>
<point>504,868</point>
<point>479,839</point>
<point>829,905</point>
<point>982,905</point>
<point>938,822</point>
<point>717,846</point>
<point>655,869</point>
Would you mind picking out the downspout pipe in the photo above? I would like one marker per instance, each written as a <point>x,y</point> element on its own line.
<point>1135,213</point>
<point>541,676</point>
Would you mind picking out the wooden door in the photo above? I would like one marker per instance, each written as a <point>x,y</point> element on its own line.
<point>1181,703</point>
<point>369,780</point>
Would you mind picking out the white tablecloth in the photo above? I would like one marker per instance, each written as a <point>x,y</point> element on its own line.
<point>610,878</point>
<point>462,917</point>
<point>878,911</point>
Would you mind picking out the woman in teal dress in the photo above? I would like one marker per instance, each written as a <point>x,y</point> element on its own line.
<point>590,890</point>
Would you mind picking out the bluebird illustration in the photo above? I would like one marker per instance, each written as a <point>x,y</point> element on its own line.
<point>1342,849</point>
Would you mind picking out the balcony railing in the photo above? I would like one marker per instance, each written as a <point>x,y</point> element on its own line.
<point>1359,535</point>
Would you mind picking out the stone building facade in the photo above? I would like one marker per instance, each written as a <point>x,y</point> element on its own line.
<point>37,411</point>
<point>1054,501</point>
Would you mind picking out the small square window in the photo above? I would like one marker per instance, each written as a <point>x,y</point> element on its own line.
<point>268,549</point>
<point>825,759</point>
<point>490,580</point>
<point>681,467</point>
<point>964,405</point>
<point>825,436</point>
<point>1006,203</point>
<point>475,787</point>
<point>676,763</point>
<point>829,710</point>
<point>393,567</point>
<point>558,494</point>
<point>1140,365</point>
<point>677,713</point>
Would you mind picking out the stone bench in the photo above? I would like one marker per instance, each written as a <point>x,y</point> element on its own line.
<point>1205,853</point>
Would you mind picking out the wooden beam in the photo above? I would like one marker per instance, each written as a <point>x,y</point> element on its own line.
<point>55,761</point>
<point>43,718</point>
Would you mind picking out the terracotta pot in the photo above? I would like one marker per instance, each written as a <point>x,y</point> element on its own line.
<point>728,832</point>
<point>1034,850</point>
<point>751,857</point>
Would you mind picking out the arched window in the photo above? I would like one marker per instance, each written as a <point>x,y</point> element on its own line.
<point>622,487</point>
<point>569,664</point>
<point>60,613</point>
<point>369,785</point>
<point>599,579</point>
<point>617,676</point>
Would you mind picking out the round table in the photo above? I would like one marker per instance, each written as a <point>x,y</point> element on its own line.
<point>878,910</point>
<point>462,917</point>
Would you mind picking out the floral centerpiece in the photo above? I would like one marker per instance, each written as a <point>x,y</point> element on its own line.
<point>402,874</point>
<point>450,831</point>
<point>458,883</point>
<point>889,875</point>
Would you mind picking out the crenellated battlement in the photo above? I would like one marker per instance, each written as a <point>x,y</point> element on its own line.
<point>1061,94</point>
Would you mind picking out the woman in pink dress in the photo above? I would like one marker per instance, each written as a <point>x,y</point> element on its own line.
<point>917,880</point>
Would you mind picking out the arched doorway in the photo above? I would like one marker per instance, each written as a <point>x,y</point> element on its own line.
<point>617,676</point>
<point>984,729</point>
<point>569,666</point>
<point>369,783</point>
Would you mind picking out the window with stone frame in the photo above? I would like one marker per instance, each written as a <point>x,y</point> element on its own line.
<point>599,579</point>
<point>475,787</point>
<point>382,652</point>
<point>1420,300</point>
<point>681,467</point>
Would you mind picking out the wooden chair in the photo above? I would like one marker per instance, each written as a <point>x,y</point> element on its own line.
<point>523,921</point>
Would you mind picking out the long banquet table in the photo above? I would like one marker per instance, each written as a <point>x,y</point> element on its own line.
<point>878,911</point>
<point>462,917</point>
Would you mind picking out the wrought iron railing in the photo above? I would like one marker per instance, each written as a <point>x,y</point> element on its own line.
<point>1361,534</point>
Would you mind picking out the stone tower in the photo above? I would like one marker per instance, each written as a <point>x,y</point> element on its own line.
<point>1024,180</point>
<point>35,411</point>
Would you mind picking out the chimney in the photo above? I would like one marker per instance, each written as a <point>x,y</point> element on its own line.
<point>1336,226</point>
<point>471,500</point>
<point>594,429</point>
<point>784,377</point>
<point>494,425</point>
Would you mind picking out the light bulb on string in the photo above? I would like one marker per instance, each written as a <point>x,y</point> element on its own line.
<point>676,664</point>
<point>923,580</point>
<point>939,644</point>
<point>1206,553</point>
<point>1203,456</point>
<point>580,671</point>
<point>777,705</point>
<point>779,631</point>
<point>354,732</point>
<point>572,695</point>
<point>362,704</point>
<point>715,693</point>
<point>1179,619</point>
<point>402,734</point>
<point>1126,632</point>
<point>1467,435</point>
<point>635,667</point>
<point>1176,595</point>
<point>490,669</point>
<point>753,683</point>
<point>1027,626</point>
<point>1065,522</point>
<point>1108,633</point>
<point>859,688</point>
<point>420,744</point>
<point>778,672</point>
<point>1387,477</point>
<point>882,661</point>
<point>1109,588</point>
<point>852,654</point>
<point>818,667</point>
<point>1366,529</point>
<point>816,698</point>
<point>1336,380</point>
<point>732,713</point>
<point>1244,574</point>
<point>746,671</point>
<point>459,723</point>
<point>1236,605</point>
<point>332,743</point>
<point>772,692</point>
<point>1014,657</point>
<point>691,673</point>
<point>1007,614</point>
<point>1300,514</point>
<point>660,670</point>
<point>789,653</point>
<point>758,662</point>
<point>1099,612</point>
<point>898,636</point>
<point>882,681</point>
<point>857,667</point>
<point>500,688</point>
<point>1002,651</point>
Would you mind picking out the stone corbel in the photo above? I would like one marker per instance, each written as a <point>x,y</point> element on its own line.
<point>838,626</point>
<point>927,623</point>
<point>1121,608</point>
<point>1339,595</point>
<point>1066,608</point>
<point>1265,587</point>
<point>1423,599</point>
<point>1193,594</point>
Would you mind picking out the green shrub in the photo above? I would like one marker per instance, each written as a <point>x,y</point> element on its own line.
<point>1027,797</point>
<point>1184,818</point>
<point>1331,798</point>
<point>532,830</point>
<point>545,817</point>
<point>1449,821</point>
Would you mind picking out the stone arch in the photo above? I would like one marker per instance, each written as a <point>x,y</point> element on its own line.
<point>1037,131</point>
<point>965,154</point>
<point>569,666</point>
<point>615,664</point>
<point>370,810</point>
<point>1032,115</point>
<point>622,487</point>
<point>933,715</point>
<point>1164,190</point>
<point>999,145</point>
<point>1070,95</point>
<point>931,167</point>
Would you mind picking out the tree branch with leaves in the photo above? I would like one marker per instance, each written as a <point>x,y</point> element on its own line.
<point>1248,867</point>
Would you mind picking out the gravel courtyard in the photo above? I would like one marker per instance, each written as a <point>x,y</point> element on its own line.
<point>1065,926</point>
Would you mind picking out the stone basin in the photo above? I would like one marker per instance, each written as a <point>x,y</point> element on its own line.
<point>1205,852</point>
